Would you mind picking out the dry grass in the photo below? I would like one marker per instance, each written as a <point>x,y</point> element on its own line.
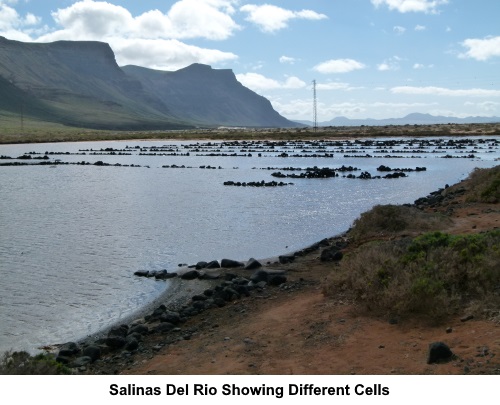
<point>484,185</point>
<point>435,275</point>
<point>388,221</point>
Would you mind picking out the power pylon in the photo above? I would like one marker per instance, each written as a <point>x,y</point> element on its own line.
<point>315,108</point>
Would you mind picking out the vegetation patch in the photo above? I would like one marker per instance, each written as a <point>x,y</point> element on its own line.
<point>393,220</point>
<point>435,274</point>
<point>22,363</point>
<point>484,185</point>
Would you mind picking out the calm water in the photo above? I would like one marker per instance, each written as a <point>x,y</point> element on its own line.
<point>71,236</point>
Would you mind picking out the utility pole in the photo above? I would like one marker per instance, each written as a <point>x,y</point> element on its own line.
<point>22,116</point>
<point>315,108</point>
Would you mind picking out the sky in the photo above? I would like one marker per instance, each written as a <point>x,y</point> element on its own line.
<point>369,58</point>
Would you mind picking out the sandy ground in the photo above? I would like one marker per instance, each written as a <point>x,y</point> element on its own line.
<point>298,330</point>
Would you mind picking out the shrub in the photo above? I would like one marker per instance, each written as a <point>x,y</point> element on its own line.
<point>392,220</point>
<point>435,274</point>
<point>484,185</point>
<point>22,363</point>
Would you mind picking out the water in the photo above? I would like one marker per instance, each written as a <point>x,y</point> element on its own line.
<point>71,236</point>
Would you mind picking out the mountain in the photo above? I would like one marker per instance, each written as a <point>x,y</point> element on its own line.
<point>410,119</point>
<point>202,95</point>
<point>79,83</point>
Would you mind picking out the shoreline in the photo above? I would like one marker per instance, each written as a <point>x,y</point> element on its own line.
<point>256,134</point>
<point>196,339</point>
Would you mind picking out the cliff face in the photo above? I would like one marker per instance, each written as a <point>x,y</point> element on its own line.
<point>80,84</point>
<point>209,96</point>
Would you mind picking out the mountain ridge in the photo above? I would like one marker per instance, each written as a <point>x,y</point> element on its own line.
<point>409,119</point>
<point>79,83</point>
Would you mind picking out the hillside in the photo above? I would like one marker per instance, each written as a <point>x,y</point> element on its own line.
<point>80,84</point>
<point>207,96</point>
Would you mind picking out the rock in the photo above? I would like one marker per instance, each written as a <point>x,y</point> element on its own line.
<point>201,265</point>
<point>121,331</point>
<point>131,345</point>
<point>276,279</point>
<point>258,276</point>
<point>439,352</point>
<point>214,264</point>
<point>467,318</point>
<point>171,317</point>
<point>92,351</point>
<point>252,264</point>
<point>164,275</point>
<point>332,254</point>
<point>285,259</point>
<point>141,329</point>
<point>69,349</point>
<point>230,264</point>
<point>228,294</point>
<point>115,342</point>
<point>142,273</point>
<point>164,327</point>
<point>190,275</point>
<point>81,362</point>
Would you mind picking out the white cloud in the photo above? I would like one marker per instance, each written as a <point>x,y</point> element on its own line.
<point>441,91</point>
<point>339,66</point>
<point>165,54</point>
<point>258,82</point>
<point>481,49</point>
<point>150,39</point>
<point>419,66</point>
<point>420,28</point>
<point>486,106</point>
<point>333,86</point>
<point>15,26</point>
<point>407,6</point>
<point>270,18</point>
<point>287,59</point>
<point>91,19</point>
<point>399,30</point>
<point>390,64</point>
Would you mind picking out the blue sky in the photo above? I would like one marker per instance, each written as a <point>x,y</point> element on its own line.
<point>370,58</point>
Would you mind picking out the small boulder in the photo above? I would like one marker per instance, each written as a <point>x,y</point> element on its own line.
<point>214,264</point>
<point>231,264</point>
<point>253,264</point>
<point>190,275</point>
<point>115,342</point>
<point>332,254</point>
<point>285,259</point>
<point>81,362</point>
<point>439,352</point>
<point>92,351</point>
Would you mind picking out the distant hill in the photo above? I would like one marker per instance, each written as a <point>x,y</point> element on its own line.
<point>79,83</point>
<point>410,119</point>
